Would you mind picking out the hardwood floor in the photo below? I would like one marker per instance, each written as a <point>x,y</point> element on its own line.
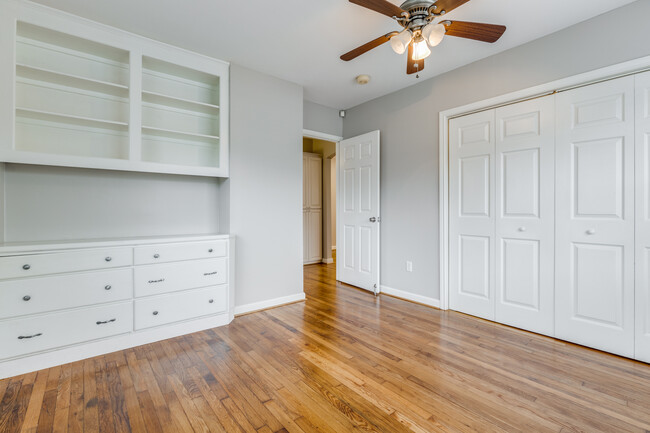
<point>341,361</point>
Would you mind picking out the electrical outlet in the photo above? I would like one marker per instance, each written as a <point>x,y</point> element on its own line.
<point>409,266</point>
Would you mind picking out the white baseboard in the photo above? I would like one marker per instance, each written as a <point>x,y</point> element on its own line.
<point>270,303</point>
<point>78,352</point>
<point>431,302</point>
<point>327,261</point>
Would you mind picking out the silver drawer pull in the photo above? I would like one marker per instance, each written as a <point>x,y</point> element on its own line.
<point>210,273</point>
<point>211,301</point>
<point>210,250</point>
<point>107,287</point>
<point>22,337</point>
<point>108,259</point>
<point>26,298</point>
<point>156,281</point>
<point>103,322</point>
<point>155,313</point>
<point>26,267</point>
<point>155,256</point>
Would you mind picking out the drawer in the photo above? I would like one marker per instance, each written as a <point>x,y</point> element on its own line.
<point>38,295</point>
<point>162,253</point>
<point>163,309</point>
<point>62,262</point>
<point>34,334</point>
<point>172,277</point>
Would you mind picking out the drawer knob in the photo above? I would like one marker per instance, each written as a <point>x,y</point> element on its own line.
<point>210,250</point>
<point>107,287</point>
<point>26,298</point>
<point>211,301</point>
<point>108,259</point>
<point>26,267</point>
<point>155,313</point>
<point>103,322</point>
<point>22,337</point>
<point>155,256</point>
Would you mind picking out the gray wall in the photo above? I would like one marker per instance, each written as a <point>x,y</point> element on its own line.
<point>408,121</point>
<point>320,118</point>
<point>57,203</point>
<point>266,185</point>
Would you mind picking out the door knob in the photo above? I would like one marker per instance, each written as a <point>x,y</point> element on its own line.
<point>373,219</point>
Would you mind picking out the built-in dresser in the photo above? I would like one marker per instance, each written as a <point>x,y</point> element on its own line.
<point>63,302</point>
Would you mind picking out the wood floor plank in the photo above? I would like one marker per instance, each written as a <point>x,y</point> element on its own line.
<point>342,361</point>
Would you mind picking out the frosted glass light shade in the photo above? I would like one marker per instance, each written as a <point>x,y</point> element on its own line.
<point>433,33</point>
<point>420,50</point>
<point>400,41</point>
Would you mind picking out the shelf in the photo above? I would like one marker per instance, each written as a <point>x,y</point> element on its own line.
<point>73,81</point>
<point>175,102</point>
<point>186,136</point>
<point>71,120</point>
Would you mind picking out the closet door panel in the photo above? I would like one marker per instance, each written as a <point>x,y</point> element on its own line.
<point>525,141</point>
<point>471,214</point>
<point>595,216</point>
<point>642,232</point>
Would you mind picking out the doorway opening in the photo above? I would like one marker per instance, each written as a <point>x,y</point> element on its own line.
<point>319,201</point>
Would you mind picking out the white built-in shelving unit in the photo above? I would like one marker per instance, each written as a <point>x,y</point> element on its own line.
<point>80,94</point>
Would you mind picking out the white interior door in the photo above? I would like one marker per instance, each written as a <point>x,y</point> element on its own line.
<point>358,209</point>
<point>642,235</point>
<point>471,214</point>
<point>524,243</point>
<point>595,216</point>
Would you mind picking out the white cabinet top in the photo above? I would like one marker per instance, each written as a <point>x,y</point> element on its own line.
<point>9,248</point>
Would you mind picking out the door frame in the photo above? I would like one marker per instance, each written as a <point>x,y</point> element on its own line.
<point>327,137</point>
<point>635,66</point>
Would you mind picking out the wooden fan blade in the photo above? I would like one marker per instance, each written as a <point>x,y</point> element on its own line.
<point>367,47</point>
<point>382,6</point>
<point>448,5</point>
<point>413,66</point>
<point>477,31</point>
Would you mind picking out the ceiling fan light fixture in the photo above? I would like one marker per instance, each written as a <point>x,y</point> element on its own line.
<point>420,49</point>
<point>401,41</point>
<point>433,33</point>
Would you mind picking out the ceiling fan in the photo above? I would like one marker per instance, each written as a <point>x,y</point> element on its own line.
<point>417,18</point>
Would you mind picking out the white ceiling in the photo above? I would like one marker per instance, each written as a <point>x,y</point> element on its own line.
<point>301,40</point>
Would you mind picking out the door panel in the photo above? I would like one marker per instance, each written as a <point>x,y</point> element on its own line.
<point>471,214</point>
<point>524,238</point>
<point>642,232</point>
<point>315,236</point>
<point>315,182</point>
<point>359,189</point>
<point>595,216</point>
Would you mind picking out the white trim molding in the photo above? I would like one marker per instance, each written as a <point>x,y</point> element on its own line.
<point>321,135</point>
<point>270,303</point>
<point>407,296</point>
<point>610,72</point>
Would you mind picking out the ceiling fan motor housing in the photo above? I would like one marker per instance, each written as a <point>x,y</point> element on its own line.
<point>420,13</point>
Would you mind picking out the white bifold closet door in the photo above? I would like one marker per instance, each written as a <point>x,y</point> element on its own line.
<point>595,216</point>
<point>525,159</point>
<point>501,214</point>
<point>471,214</point>
<point>642,161</point>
